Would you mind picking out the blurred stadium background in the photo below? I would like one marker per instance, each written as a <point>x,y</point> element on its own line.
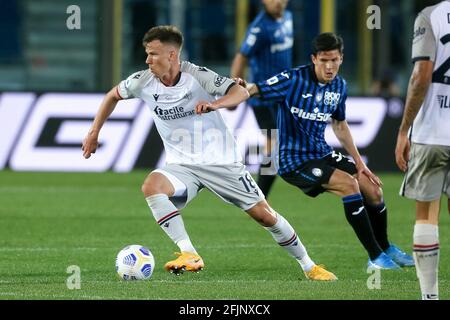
<point>52,80</point>
<point>41,56</point>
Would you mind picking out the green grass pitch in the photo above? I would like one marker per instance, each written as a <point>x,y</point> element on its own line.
<point>50,221</point>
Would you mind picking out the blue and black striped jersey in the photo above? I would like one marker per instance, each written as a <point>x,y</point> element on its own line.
<point>268,46</point>
<point>305,107</point>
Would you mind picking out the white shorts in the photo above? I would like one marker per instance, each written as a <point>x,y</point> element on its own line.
<point>232,183</point>
<point>428,175</point>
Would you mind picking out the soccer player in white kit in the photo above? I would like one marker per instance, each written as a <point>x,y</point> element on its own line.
<point>201,151</point>
<point>426,157</point>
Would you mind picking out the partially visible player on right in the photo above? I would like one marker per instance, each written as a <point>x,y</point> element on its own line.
<point>426,158</point>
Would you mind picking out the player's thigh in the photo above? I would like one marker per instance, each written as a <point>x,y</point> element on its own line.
<point>232,183</point>
<point>311,176</point>
<point>183,181</point>
<point>342,182</point>
<point>446,189</point>
<point>427,174</point>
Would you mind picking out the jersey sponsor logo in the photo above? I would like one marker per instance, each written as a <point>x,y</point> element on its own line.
<point>202,69</point>
<point>219,80</point>
<point>156,96</point>
<point>443,102</point>
<point>331,98</point>
<point>419,31</point>
<point>314,116</point>
<point>172,113</point>
<point>419,34</point>
<point>285,45</point>
<point>306,96</point>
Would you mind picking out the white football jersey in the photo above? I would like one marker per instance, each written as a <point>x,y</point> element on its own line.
<point>188,138</point>
<point>432,42</point>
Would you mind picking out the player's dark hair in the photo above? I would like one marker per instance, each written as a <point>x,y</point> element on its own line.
<point>165,34</point>
<point>327,41</point>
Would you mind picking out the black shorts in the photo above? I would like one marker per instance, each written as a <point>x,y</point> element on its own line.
<point>310,176</point>
<point>266,117</point>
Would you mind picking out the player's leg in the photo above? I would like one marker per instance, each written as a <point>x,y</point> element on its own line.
<point>346,186</point>
<point>287,238</point>
<point>159,188</point>
<point>426,247</point>
<point>234,184</point>
<point>427,178</point>
<point>266,121</point>
<point>377,212</point>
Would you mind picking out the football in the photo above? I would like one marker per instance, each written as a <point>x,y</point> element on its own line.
<point>135,262</point>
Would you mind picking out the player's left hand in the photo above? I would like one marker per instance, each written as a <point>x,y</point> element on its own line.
<point>90,145</point>
<point>364,170</point>
<point>204,107</point>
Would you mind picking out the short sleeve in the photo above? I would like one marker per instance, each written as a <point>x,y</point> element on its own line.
<point>213,83</point>
<point>254,39</point>
<point>127,89</point>
<point>424,42</point>
<point>275,88</point>
<point>339,113</point>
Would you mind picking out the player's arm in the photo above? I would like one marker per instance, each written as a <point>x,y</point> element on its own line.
<point>90,142</point>
<point>238,66</point>
<point>252,88</point>
<point>342,132</point>
<point>418,86</point>
<point>235,95</point>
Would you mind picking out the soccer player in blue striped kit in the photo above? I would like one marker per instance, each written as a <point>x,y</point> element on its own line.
<point>309,96</point>
<point>267,49</point>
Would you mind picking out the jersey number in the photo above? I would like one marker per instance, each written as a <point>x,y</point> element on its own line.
<point>247,180</point>
<point>439,75</point>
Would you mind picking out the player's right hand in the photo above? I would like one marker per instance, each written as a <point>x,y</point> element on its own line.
<point>402,151</point>
<point>90,145</point>
<point>240,82</point>
<point>204,107</point>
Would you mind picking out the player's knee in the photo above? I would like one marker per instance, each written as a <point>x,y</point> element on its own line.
<point>374,196</point>
<point>263,214</point>
<point>150,189</point>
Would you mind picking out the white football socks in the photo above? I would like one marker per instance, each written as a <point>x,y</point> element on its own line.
<point>169,219</point>
<point>285,235</point>
<point>426,257</point>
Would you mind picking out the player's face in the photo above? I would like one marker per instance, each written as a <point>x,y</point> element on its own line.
<point>275,7</point>
<point>159,57</point>
<point>326,64</point>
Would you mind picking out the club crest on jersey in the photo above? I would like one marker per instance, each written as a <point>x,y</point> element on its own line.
<point>317,172</point>
<point>319,96</point>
